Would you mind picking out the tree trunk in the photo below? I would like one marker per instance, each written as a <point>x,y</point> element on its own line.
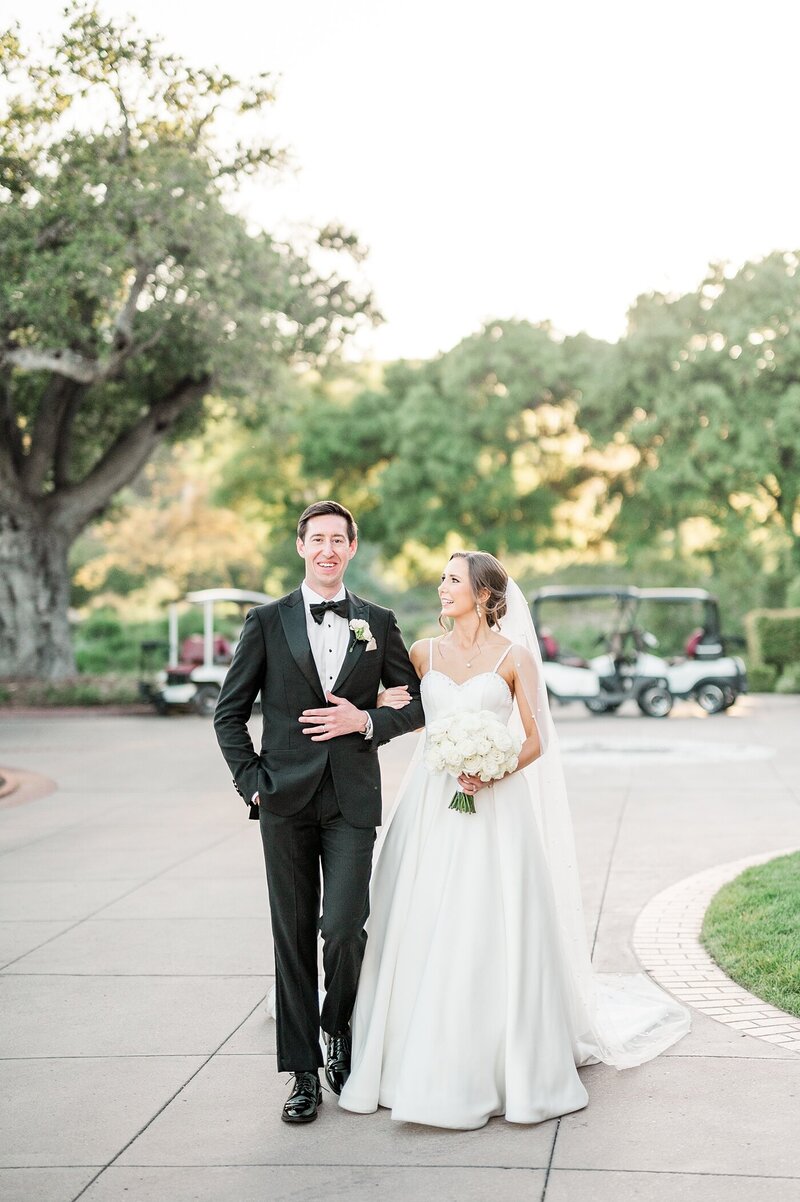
<point>34,597</point>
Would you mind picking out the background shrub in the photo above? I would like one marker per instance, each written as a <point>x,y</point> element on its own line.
<point>761,678</point>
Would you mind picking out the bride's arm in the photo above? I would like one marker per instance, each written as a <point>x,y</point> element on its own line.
<point>532,746</point>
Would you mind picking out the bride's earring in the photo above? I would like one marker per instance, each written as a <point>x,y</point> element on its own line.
<point>478,608</point>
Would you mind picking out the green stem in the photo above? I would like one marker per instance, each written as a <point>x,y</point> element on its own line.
<point>463,802</point>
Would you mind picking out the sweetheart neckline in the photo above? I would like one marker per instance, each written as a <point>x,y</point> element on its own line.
<point>477,676</point>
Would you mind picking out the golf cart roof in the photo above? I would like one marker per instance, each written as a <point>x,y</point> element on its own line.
<point>240,595</point>
<point>675,594</point>
<point>556,593</point>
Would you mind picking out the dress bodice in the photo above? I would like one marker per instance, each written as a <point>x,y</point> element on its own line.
<point>442,696</point>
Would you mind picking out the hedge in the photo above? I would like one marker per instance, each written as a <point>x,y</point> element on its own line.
<point>761,678</point>
<point>773,637</point>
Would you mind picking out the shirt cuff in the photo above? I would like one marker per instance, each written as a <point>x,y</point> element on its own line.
<point>368,731</point>
<point>254,799</point>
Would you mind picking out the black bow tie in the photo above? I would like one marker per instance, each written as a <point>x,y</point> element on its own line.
<point>318,611</point>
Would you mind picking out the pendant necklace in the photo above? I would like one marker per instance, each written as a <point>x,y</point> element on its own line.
<point>475,654</point>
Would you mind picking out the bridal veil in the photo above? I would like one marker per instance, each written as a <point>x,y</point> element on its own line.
<point>619,1019</point>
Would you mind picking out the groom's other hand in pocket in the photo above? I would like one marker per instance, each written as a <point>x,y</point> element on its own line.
<point>342,718</point>
<point>396,698</point>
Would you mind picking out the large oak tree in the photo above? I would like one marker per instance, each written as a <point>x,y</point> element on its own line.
<point>130,290</point>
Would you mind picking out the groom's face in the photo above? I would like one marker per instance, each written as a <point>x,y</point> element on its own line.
<point>327,551</point>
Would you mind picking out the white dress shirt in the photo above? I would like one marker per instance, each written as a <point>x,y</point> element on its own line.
<point>329,640</point>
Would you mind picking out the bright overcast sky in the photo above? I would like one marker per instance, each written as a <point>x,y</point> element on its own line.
<point>516,158</point>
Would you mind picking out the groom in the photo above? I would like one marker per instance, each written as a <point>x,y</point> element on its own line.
<point>318,657</point>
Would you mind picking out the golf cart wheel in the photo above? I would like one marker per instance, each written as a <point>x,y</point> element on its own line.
<point>730,696</point>
<point>655,701</point>
<point>205,700</point>
<point>596,705</point>
<point>711,698</point>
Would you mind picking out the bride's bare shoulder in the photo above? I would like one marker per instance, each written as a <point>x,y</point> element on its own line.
<point>419,653</point>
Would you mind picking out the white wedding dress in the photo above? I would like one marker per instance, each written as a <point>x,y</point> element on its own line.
<point>469,1003</point>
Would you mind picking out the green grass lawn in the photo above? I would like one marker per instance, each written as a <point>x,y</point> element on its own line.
<point>752,930</point>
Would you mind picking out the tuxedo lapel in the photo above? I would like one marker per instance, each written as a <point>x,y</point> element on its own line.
<point>356,608</point>
<point>293,619</point>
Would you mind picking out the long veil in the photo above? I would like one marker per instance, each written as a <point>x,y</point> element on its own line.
<point>620,1019</point>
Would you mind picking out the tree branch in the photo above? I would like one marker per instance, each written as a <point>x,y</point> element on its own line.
<point>57,395</point>
<point>63,452</point>
<point>76,505</point>
<point>70,365</point>
<point>10,452</point>
<point>65,363</point>
<point>10,440</point>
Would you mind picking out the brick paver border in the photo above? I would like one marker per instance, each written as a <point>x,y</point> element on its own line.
<point>666,939</point>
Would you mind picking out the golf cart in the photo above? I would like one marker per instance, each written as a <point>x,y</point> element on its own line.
<point>698,667</point>
<point>195,669</point>
<point>625,670</point>
<point>697,663</point>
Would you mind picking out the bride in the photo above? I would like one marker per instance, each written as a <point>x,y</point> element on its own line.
<point>477,996</point>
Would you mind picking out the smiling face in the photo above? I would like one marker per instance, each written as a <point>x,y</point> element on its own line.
<point>455,590</point>
<point>327,551</point>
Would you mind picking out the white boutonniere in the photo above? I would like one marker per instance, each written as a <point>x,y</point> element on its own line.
<point>362,633</point>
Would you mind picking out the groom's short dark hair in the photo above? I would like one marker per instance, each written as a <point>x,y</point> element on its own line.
<point>322,509</point>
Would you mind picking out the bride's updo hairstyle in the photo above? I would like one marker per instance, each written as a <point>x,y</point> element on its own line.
<point>487,574</point>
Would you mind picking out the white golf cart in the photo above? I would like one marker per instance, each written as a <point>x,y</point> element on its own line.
<point>700,665</point>
<point>694,663</point>
<point>626,670</point>
<point>196,669</point>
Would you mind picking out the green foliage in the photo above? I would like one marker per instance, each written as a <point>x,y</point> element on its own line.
<point>105,644</point>
<point>761,678</point>
<point>773,637</point>
<point>752,930</point>
<point>789,679</point>
<point>479,444</point>
<point>116,241</point>
<point>705,387</point>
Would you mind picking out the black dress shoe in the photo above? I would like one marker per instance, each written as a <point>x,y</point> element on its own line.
<point>306,1096</point>
<point>337,1062</point>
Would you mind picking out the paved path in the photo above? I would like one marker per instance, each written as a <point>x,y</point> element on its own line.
<point>137,1062</point>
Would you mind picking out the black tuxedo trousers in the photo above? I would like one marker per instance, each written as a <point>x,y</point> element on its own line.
<point>318,803</point>
<point>295,847</point>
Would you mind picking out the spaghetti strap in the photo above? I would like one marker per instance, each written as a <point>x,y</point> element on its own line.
<point>502,657</point>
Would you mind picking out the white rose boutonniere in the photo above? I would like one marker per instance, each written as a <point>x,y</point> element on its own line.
<point>362,634</point>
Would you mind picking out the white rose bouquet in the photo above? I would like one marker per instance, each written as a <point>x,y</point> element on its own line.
<point>476,743</point>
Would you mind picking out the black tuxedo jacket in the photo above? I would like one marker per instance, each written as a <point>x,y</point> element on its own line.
<point>274,656</point>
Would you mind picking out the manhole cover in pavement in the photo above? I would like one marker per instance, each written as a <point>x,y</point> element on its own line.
<point>608,750</point>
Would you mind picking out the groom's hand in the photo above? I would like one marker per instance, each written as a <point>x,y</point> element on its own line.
<point>342,718</point>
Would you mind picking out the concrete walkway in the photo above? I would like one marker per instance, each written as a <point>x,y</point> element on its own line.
<point>137,1061</point>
